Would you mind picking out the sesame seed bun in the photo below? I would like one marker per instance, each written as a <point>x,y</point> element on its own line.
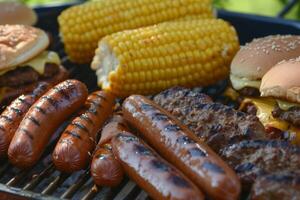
<point>20,43</point>
<point>257,57</point>
<point>282,81</point>
<point>16,13</point>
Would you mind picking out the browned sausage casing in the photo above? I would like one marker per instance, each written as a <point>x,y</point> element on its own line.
<point>14,113</point>
<point>42,119</point>
<point>77,142</point>
<point>105,169</point>
<point>151,172</point>
<point>181,147</point>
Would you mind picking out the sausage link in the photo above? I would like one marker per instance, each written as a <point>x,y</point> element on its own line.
<point>181,147</point>
<point>105,169</point>
<point>74,148</point>
<point>152,173</point>
<point>42,119</point>
<point>14,113</point>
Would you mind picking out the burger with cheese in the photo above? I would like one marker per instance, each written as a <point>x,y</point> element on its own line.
<point>281,87</point>
<point>257,57</point>
<point>261,76</point>
<point>24,61</point>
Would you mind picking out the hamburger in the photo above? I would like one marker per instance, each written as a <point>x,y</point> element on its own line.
<point>252,76</point>
<point>281,87</point>
<point>257,57</point>
<point>24,61</point>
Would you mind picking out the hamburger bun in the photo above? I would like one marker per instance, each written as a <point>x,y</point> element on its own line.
<point>257,57</point>
<point>282,81</point>
<point>16,13</point>
<point>20,43</point>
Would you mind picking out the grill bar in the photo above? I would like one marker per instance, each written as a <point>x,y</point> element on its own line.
<point>91,193</point>
<point>55,184</point>
<point>20,175</point>
<point>37,179</point>
<point>73,188</point>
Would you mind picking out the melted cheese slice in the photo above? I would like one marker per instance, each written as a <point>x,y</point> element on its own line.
<point>38,63</point>
<point>239,83</point>
<point>264,108</point>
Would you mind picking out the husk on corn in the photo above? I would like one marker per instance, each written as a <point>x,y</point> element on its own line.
<point>150,59</point>
<point>82,26</point>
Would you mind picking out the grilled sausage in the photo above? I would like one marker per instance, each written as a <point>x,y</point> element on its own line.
<point>152,173</point>
<point>14,113</point>
<point>42,119</point>
<point>74,147</point>
<point>181,147</point>
<point>105,169</point>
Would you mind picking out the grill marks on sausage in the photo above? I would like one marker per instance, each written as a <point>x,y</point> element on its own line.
<point>86,118</point>
<point>6,118</point>
<point>80,126</point>
<point>142,150</point>
<point>157,164</point>
<point>73,134</point>
<point>17,111</point>
<point>33,120</point>
<point>62,92</point>
<point>126,138</point>
<point>196,152</point>
<point>184,140</point>
<point>146,107</point>
<point>159,117</point>
<point>172,128</point>
<point>213,167</point>
<point>178,181</point>
<point>50,100</point>
<point>40,110</point>
<point>26,132</point>
<point>22,100</point>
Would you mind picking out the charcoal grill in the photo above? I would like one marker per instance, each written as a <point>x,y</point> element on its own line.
<point>44,182</point>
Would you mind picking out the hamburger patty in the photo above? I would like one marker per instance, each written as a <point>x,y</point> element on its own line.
<point>291,115</point>
<point>218,125</point>
<point>277,186</point>
<point>25,75</point>
<point>255,158</point>
<point>249,91</point>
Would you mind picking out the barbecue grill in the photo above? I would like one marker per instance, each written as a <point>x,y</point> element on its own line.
<point>43,181</point>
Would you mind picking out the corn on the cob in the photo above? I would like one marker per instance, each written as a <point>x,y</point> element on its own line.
<point>150,59</point>
<point>82,26</point>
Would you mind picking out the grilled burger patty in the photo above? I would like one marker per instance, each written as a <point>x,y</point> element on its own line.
<point>292,115</point>
<point>26,75</point>
<point>217,124</point>
<point>277,186</point>
<point>249,91</point>
<point>255,158</point>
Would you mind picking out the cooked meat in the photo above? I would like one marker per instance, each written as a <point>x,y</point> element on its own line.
<point>282,186</point>
<point>177,97</point>
<point>291,115</point>
<point>217,124</point>
<point>249,91</point>
<point>26,75</point>
<point>255,158</point>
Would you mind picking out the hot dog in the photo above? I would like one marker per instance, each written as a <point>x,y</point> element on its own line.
<point>42,119</point>
<point>77,142</point>
<point>152,173</point>
<point>181,147</point>
<point>105,169</point>
<point>14,113</point>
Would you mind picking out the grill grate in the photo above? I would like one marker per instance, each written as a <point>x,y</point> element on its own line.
<point>43,181</point>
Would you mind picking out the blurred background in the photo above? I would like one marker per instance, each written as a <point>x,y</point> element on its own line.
<point>272,8</point>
